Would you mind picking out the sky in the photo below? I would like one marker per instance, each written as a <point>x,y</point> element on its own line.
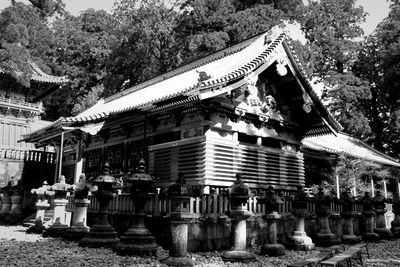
<point>377,9</point>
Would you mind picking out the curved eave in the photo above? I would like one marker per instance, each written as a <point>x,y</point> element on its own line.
<point>331,122</point>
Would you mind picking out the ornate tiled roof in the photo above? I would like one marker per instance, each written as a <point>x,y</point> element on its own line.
<point>214,71</point>
<point>344,143</point>
<point>37,74</point>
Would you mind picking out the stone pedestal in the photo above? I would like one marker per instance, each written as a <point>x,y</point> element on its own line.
<point>138,240</point>
<point>299,240</point>
<point>239,215</point>
<point>6,205</point>
<point>59,226</point>
<point>14,216</point>
<point>395,225</point>
<point>368,219</point>
<point>102,234</point>
<point>379,205</point>
<point>324,236</point>
<point>41,206</point>
<point>179,238</point>
<point>272,248</point>
<point>272,202</point>
<point>78,229</point>
<point>348,213</point>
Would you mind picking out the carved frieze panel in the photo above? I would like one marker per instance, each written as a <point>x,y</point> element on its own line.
<point>191,117</point>
<point>191,133</point>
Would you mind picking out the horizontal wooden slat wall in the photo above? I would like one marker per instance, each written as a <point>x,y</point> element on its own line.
<point>260,166</point>
<point>167,162</point>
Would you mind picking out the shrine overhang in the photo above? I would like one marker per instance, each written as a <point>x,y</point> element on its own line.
<point>212,76</point>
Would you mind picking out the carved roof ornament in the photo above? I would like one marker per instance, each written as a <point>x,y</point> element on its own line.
<point>281,64</point>
<point>203,76</point>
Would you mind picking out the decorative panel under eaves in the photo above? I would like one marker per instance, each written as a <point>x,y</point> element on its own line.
<point>260,166</point>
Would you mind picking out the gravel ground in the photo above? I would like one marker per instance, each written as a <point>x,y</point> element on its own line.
<point>20,249</point>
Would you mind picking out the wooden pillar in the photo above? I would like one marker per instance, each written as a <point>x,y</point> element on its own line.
<point>337,186</point>
<point>60,157</point>
<point>78,161</point>
<point>398,186</point>
<point>372,185</point>
<point>384,188</point>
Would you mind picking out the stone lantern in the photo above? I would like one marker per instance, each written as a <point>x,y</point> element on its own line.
<point>79,228</point>
<point>368,214</point>
<point>42,204</point>
<point>179,217</point>
<point>299,240</point>
<point>16,194</point>
<point>239,196</point>
<point>102,234</point>
<point>5,200</point>
<point>324,237</point>
<point>396,222</point>
<point>380,209</point>
<point>348,214</point>
<point>272,202</point>
<point>138,240</point>
<point>59,226</point>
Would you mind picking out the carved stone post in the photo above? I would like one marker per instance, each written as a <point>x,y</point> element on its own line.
<point>102,234</point>
<point>348,213</point>
<point>42,204</point>
<point>138,240</point>
<point>396,222</point>
<point>239,214</point>
<point>15,214</point>
<point>368,214</point>
<point>6,201</point>
<point>380,210</point>
<point>299,240</point>
<point>272,202</point>
<point>324,237</point>
<point>179,217</point>
<point>79,228</point>
<point>59,226</point>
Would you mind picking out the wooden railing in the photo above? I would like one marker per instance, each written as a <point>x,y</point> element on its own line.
<point>211,205</point>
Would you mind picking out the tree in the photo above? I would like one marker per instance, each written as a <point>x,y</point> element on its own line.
<point>24,36</point>
<point>354,175</point>
<point>84,44</point>
<point>148,44</point>
<point>379,63</point>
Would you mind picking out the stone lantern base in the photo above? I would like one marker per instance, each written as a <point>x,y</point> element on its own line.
<point>300,241</point>
<point>326,239</point>
<point>273,250</point>
<point>137,241</point>
<point>238,256</point>
<point>178,261</point>
<point>351,239</point>
<point>76,232</point>
<point>100,236</point>
<point>37,228</point>
<point>383,233</point>
<point>57,229</point>
<point>396,231</point>
<point>370,237</point>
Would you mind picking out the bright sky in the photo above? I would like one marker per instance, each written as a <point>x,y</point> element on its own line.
<point>377,9</point>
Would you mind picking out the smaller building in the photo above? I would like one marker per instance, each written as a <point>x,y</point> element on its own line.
<point>20,110</point>
<point>321,151</point>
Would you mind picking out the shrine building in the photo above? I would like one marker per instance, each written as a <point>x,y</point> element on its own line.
<point>20,109</point>
<point>244,109</point>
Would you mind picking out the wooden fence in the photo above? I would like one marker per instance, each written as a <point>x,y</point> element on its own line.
<point>211,205</point>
